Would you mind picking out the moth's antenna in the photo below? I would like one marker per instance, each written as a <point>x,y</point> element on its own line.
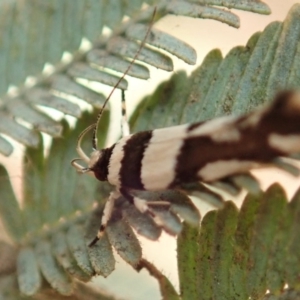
<point>125,125</point>
<point>94,141</point>
<point>94,126</point>
<point>79,150</point>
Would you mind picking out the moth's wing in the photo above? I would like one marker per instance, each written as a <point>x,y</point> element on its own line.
<point>221,147</point>
<point>207,151</point>
<point>175,155</point>
<point>160,157</point>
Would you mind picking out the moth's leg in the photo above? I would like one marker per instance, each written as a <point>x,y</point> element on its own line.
<point>107,212</point>
<point>149,207</point>
<point>144,206</point>
<point>140,204</point>
<point>124,122</point>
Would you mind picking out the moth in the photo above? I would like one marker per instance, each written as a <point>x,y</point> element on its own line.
<point>208,151</point>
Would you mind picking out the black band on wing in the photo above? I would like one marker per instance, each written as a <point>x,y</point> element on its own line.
<point>131,164</point>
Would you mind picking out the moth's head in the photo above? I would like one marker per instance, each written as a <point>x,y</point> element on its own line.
<point>90,161</point>
<point>94,158</point>
<point>97,165</point>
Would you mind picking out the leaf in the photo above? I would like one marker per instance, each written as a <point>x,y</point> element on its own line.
<point>101,254</point>
<point>20,109</point>
<point>204,193</point>
<point>65,258</point>
<point>142,223</point>
<point>5,147</point>
<point>42,97</point>
<point>79,249</point>
<point>164,41</point>
<point>52,272</point>
<point>279,256</point>
<point>205,249</point>
<point>242,239</point>
<point>34,186</point>
<point>127,48</point>
<point>104,59</point>
<point>123,239</point>
<point>187,257</point>
<point>265,229</point>
<point>29,277</point>
<point>10,211</point>
<point>255,6</point>
<point>248,182</point>
<point>293,257</point>
<point>194,10</point>
<point>226,221</point>
<point>81,70</point>
<point>18,132</point>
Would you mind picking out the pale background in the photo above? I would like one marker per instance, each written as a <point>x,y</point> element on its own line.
<point>203,35</point>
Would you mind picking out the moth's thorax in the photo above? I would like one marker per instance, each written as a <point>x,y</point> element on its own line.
<point>99,163</point>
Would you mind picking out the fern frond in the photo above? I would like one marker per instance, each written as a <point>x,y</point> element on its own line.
<point>242,254</point>
<point>42,31</point>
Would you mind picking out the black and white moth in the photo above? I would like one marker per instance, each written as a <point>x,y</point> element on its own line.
<point>206,151</point>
